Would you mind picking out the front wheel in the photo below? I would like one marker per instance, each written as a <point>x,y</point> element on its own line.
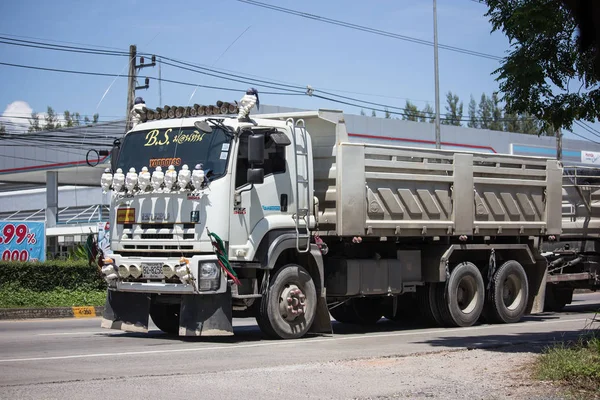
<point>288,305</point>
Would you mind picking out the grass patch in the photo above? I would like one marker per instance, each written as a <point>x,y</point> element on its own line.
<point>576,365</point>
<point>17,297</point>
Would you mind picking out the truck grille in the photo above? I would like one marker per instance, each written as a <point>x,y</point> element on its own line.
<point>159,232</point>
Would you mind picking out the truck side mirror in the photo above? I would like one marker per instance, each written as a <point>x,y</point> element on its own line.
<point>256,176</point>
<point>114,155</point>
<point>256,148</point>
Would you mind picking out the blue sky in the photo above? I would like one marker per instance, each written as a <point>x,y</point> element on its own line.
<point>275,46</point>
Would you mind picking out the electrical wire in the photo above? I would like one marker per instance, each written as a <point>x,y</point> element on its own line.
<point>369,30</point>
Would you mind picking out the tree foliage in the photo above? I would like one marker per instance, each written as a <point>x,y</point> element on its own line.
<point>51,120</point>
<point>544,75</point>
<point>411,112</point>
<point>454,110</point>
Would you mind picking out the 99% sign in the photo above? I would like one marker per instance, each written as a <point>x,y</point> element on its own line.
<point>19,234</point>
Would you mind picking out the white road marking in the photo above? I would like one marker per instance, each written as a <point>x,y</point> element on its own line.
<point>71,333</point>
<point>288,342</point>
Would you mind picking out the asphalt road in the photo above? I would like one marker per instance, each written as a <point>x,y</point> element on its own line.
<point>75,358</point>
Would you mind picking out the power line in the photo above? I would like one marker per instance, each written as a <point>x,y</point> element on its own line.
<point>369,30</point>
<point>62,41</point>
<point>126,76</point>
<point>60,48</point>
<point>587,128</point>
<point>90,50</point>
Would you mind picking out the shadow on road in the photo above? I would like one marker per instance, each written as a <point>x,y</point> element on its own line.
<point>251,333</point>
<point>508,343</point>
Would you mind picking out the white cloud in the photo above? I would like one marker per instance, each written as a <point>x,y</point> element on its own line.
<point>15,116</point>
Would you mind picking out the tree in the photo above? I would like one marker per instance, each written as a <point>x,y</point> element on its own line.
<point>473,122</point>
<point>496,111</point>
<point>86,120</point>
<point>2,129</point>
<point>529,125</point>
<point>484,112</point>
<point>68,119</point>
<point>373,113</point>
<point>454,110</point>
<point>411,112</point>
<point>427,114</point>
<point>544,75</point>
<point>34,123</point>
<point>362,112</point>
<point>387,114</point>
<point>51,120</point>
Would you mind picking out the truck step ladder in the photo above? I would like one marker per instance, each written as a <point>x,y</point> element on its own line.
<point>302,198</point>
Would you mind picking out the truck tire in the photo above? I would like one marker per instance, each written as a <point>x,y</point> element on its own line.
<point>557,298</point>
<point>407,308</point>
<point>289,304</point>
<point>462,298</point>
<point>428,304</point>
<point>359,311</point>
<point>166,317</point>
<point>508,294</point>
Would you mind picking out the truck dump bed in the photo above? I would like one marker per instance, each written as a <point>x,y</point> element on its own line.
<point>581,202</point>
<point>381,190</point>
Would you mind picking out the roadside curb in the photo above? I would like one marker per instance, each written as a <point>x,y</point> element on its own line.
<point>57,312</point>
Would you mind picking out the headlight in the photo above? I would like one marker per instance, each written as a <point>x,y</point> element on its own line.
<point>209,276</point>
<point>209,270</point>
<point>135,271</point>
<point>168,271</point>
<point>123,271</point>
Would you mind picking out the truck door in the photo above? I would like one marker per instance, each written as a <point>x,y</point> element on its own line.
<point>264,207</point>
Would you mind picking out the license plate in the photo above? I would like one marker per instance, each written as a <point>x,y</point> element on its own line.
<point>152,271</point>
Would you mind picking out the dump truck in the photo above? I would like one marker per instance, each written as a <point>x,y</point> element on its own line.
<point>218,214</point>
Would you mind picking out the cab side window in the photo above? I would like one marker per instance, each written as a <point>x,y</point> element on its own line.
<point>274,162</point>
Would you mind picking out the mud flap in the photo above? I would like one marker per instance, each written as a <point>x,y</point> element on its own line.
<point>206,315</point>
<point>125,311</point>
<point>322,321</point>
<point>536,275</point>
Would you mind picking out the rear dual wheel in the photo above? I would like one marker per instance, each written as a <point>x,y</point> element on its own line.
<point>508,294</point>
<point>461,299</point>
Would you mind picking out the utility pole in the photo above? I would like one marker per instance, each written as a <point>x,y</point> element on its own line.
<point>130,85</point>
<point>438,140</point>
<point>559,144</point>
<point>132,81</point>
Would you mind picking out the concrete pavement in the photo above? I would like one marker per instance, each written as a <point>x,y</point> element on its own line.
<point>77,359</point>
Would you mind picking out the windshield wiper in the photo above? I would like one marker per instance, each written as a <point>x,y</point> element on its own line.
<point>218,122</point>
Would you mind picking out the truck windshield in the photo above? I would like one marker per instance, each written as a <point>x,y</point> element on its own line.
<point>174,146</point>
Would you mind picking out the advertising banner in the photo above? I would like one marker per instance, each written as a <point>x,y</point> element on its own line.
<point>590,157</point>
<point>22,241</point>
<point>104,238</point>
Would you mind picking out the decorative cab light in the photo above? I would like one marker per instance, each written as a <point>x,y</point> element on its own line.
<point>106,180</point>
<point>144,179</point>
<point>198,177</point>
<point>131,179</point>
<point>118,180</point>
<point>157,179</point>
<point>170,178</point>
<point>184,177</point>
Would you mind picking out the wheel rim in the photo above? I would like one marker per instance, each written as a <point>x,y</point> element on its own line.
<point>292,303</point>
<point>512,292</point>
<point>466,294</point>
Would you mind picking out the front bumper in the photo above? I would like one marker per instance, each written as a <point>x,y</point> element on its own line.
<point>160,286</point>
